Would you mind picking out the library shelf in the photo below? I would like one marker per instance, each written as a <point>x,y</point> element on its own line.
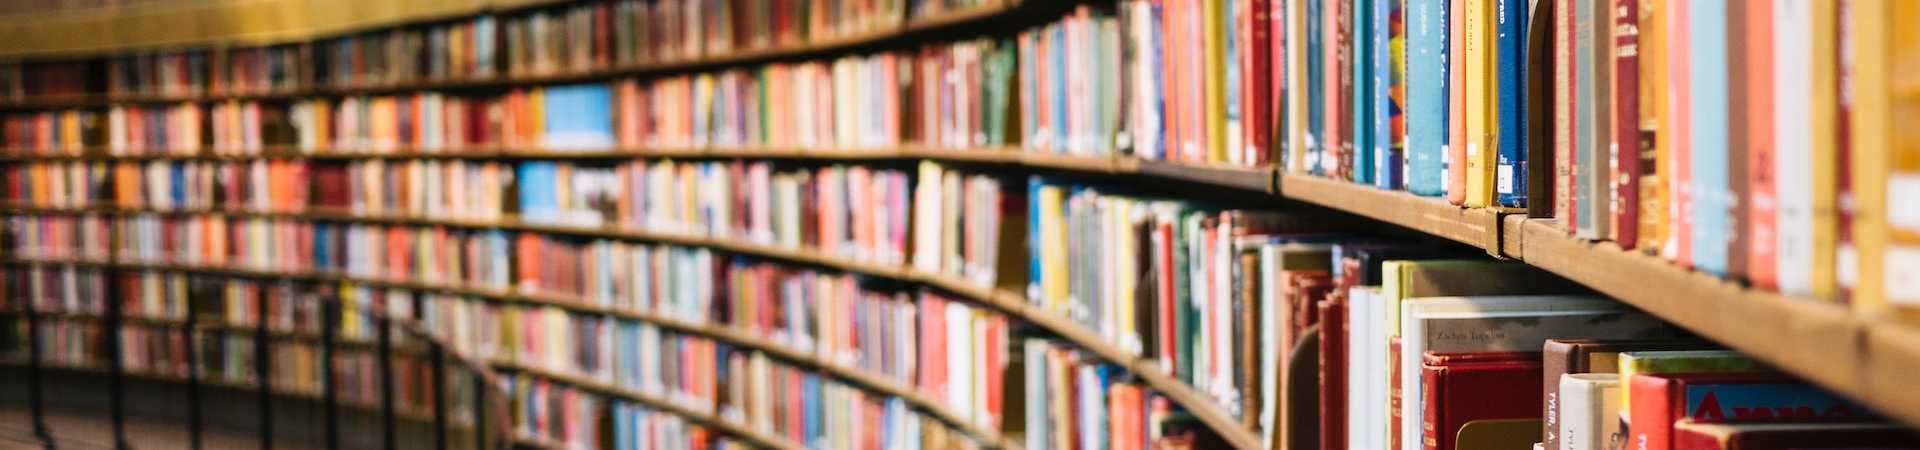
<point>1005,300</point>
<point>1244,179</point>
<point>1868,359</point>
<point>275,333</point>
<point>400,411</point>
<point>756,437</point>
<point>906,28</point>
<point>732,335</point>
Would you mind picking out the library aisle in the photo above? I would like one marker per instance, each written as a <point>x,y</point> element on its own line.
<point>964,224</point>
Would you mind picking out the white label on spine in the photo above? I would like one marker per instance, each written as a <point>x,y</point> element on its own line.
<point>1903,274</point>
<point>1902,188</point>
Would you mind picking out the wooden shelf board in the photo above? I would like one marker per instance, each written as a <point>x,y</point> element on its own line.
<point>1472,226</point>
<point>756,437</point>
<point>906,27</point>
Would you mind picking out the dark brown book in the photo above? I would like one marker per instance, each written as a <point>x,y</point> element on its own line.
<point>1566,356</point>
<point>1302,387</point>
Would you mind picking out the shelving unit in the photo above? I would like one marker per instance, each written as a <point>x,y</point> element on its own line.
<point>1868,359</point>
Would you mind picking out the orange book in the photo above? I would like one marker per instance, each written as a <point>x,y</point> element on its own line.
<point>1761,264</point>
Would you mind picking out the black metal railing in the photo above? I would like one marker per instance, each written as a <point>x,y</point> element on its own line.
<point>364,362</point>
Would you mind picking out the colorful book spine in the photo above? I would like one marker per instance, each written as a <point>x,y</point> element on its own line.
<point>1509,142</point>
<point>1427,115</point>
<point>1362,86</point>
<point>1624,143</point>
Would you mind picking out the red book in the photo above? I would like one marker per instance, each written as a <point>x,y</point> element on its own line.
<point>1626,119</point>
<point>1464,387</point>
<point>1691,435</point>
<point>1659,400</point>
<point>933,346</point>
<point>1393,393</point>
<point>1333,369</point>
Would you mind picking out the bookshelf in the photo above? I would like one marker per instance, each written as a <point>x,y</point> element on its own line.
<point>1865,357</point>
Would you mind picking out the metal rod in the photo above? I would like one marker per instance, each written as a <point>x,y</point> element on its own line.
<point>386,382</point>
<point>263,368</point>
<point>116,364</point>
<point>36,400</point>
<point>330,395</point>
<point>195,429</point>
<point>439,395</point>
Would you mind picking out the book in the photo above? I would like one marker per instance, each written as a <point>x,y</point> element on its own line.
<point>1501,324</point>
<point>1450,379</point>
<point>1589,408</point>
<point>1427,97</point>
<point>1690,435</point>
<point>1623,145</point>
<point>1566,357</point>
<point>1508,117</point>
<point>1659,400</point>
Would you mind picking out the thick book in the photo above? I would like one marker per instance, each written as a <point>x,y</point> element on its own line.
<point>1463,388</point>
<point>1504,324</point>
<point>1590,411</point>
<point>1477,59</point>
<point>1885,152</point>
<point>1691,435</point>
<point>1682,361</point>
<point>1660,400</point>
<point>1563,357</point>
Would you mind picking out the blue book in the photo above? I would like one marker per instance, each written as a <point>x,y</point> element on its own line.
<point>1510,60</point>
<point>1427,97</point>
<point>1230,50</point>
<point>622,425</point>
<point>537,181</point>
<point>1707,80</point>
<point>1156,117</point>
<point>1057,52</point>
<point>1364,83</point>
<point>578,117</point>
<point>1316,103</point>
<point>810,396</point>
<point>1584,118</point>
<point>178,189</point>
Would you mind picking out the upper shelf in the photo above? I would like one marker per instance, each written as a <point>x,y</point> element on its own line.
<point>906,28</point>
<point>1868,359</point>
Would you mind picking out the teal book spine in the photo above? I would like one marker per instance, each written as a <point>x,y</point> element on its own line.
<point>1365,74</point>
<point>1426,118</point>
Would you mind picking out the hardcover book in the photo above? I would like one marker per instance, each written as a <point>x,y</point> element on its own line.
<point>1463,388</point>
<point>1563,357</point>
<point>1691,435</point>
<point>1659,400</point>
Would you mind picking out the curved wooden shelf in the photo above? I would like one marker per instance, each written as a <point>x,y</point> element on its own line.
<point>1868,359</point>
<point>1006,301</point>
<point>400,411</point>
<point>906,27</point>
<point>1247,179</point>
<point>275,333</point>
<point>724,333</point>
<point>756,437</point>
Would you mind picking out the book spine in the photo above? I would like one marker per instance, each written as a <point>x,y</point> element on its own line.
<point>1625,141</point>
<point>1793,159</point>
<point>1760,203</point>
<point>1426,100</point>
<point>1707,142</point>
<point>1654,192</point>
<point>1649,412</point>
<point>1826,130</point>
<point>1456,153</point>
<point>1509,178</point>
<point>1678,127</point>
<point>1565,113</point>
<point>1588,405</point>
<point>1361,87</point>
<point>1433,407</point>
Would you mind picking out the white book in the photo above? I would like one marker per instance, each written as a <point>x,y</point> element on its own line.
<point>1367,380</point>
<point>1793,145</point>
<point>1589,410</point>
<point>1500,323</point>
<point>1035,354</point>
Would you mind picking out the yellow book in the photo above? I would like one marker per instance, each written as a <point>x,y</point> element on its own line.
<point>1476,46</point>
<point>70,131</point>
<point>1215,68</point>
<point>1683,361</point>
<point>1885,152</point>
<point>1653,112</point>
<point>1825,161</point>
<point>1296,97</point>
<point>1053,254</point>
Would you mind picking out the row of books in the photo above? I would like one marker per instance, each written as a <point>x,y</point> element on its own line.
<point>1661,118</point>
<point>957,217</point>
<point>812,412</point>
<point>1169,280</point>
<point>258,185</point>
<point>573,39</point>
<point>1381,344</point>
<point>1074,401</point>
<point>229,357</point>
<point>218,302</point>
<point>951,95</point>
